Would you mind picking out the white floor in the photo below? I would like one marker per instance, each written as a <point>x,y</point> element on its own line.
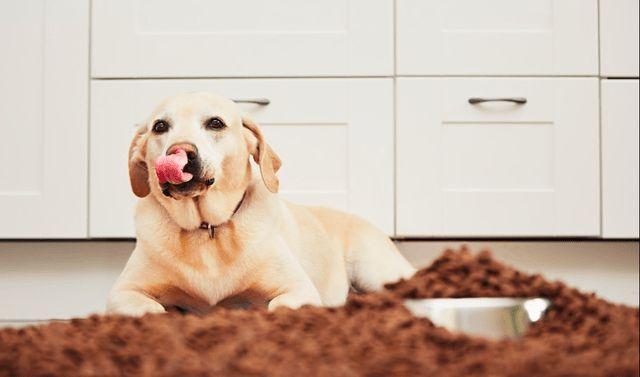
<point>46,280</point>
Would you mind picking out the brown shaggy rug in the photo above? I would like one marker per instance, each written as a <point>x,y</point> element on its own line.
<point>372,335</point>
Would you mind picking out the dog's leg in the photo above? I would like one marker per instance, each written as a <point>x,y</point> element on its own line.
<point>373,260</point>
<point>286,282</point>
<point>126,296</point>
<point>132,303</point>
<point>296,289</point>
<point>296,298</point>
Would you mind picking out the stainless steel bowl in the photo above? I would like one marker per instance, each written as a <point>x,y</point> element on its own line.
<point>488,317</point>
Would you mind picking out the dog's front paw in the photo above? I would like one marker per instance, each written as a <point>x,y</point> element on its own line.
<point>140,309</point>
<point>133,304</point>
<point>294,301</point>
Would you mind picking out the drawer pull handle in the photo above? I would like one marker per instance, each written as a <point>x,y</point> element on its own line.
<point>516,100</point>
<point>256,101</point>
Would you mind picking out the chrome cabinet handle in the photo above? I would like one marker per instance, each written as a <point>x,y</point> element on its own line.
<point>517,100</point>
<point>255,101</point>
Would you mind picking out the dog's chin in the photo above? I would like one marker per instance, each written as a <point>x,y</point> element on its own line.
<point>190,189</point>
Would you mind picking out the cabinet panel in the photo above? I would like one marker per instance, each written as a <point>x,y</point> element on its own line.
<point>620,164</point>
<point>335,150</point>
<point>43,118</point>
<point>619,32</point>
<point>497,37</point>
<point>203,38</point>
<point>497,168</point>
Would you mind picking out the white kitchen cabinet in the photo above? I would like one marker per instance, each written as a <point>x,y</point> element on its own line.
<point>497,37</point>
<point>620,159</point>
<point>619,38</point>
<point>204,38</point>
<point>43,118</point>
<point>335,137</point>
<point>497,168</point>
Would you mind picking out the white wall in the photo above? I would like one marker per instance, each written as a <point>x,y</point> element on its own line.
<point>45,280</point>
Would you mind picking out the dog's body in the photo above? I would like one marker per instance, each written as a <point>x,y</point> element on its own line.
<point>263,248</point>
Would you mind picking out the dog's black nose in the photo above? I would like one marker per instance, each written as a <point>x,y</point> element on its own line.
<point>189,148</point>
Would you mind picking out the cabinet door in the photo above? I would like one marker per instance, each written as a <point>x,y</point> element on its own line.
<point>335,138</point>
<point>619,38</point>
<point>497,168</point>
<point>214,38</point>
<point>43,118</point>
<point>497,37</point>
<point>620,159</point>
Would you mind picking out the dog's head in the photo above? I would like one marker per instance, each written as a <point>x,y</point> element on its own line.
<point>218,142</point>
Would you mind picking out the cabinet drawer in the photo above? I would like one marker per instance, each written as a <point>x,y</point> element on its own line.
<point>619,38</point>
<point>497,37</point>
<point>215,38</point>
<point>620,164</point>
<point>497,168</point>
<point>335,150</point>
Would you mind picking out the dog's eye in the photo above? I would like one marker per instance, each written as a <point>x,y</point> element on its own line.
<point>160,126</point>
<point>214,124</point>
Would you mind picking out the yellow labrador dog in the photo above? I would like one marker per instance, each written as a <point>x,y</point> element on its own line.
<point>226,234</point>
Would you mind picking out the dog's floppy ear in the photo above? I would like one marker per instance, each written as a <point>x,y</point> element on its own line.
<point>138,172</point>
<point>263,155</point>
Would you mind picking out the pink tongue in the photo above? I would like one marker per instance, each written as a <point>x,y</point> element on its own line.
<point>169,168</point>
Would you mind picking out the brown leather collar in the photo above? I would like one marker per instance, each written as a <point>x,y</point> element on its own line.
<point>212,228</point>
